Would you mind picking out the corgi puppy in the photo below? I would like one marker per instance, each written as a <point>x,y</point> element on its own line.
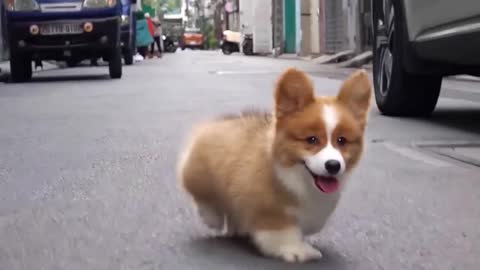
<point>277,177</point>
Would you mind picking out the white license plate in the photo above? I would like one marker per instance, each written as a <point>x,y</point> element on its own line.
<point>192,43</point>
<point>60,29</point>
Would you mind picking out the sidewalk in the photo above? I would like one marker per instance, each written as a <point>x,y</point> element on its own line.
<point>457,77</point>
<point>367,66</point>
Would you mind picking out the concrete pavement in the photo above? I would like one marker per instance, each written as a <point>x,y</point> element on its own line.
<point>87,172</point>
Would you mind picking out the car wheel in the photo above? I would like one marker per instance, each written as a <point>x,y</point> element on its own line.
<point>397,92</point>
<point>115,64</point>
<point>128,56</point>
<point>20,68</point>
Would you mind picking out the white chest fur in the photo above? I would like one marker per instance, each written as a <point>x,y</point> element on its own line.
<point>315,207</point>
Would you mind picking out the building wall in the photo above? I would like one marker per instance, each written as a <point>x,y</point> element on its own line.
<point>342,26</point>
<point>336,38</point>
<point>306,26</point>
<point>234,21</point>
<point>315,26</point>
<point>351,9</point>
<point>365,34</point>
<point>233,18</point>
<point>321,27</point>
<point>326,26</point>
<point>277,18</point>
<point>298,26</point>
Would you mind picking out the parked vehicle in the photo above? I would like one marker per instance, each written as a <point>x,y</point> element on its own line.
<point>169,45</point>
<point>230,42</point>
<point>192,38</point>
<point>415,47</point>
<point>128,27</point>
<point>63,31</point>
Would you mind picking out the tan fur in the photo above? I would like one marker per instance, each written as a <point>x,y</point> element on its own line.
<point>228,164</point>
<point>229,168</point>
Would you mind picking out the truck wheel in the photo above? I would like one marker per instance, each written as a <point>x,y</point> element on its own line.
<point>20,68</point>
<point>397,92</point>
<point>115,64</point>
<point>128,56</point>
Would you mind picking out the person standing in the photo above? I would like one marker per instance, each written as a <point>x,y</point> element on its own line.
<point>151,30</point>
<point>157,38</point>
<point>143,35</point>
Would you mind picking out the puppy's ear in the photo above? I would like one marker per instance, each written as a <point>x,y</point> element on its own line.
<point>293,91</point>
<point>355,94</point>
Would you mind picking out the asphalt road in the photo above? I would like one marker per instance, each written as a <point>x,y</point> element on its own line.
<point>87,172</point>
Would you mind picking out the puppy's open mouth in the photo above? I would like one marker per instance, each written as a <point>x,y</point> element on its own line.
<point>326,184</point>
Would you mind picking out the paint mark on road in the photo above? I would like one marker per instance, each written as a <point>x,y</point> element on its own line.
<point>245,72</point>
<point>416,155</point>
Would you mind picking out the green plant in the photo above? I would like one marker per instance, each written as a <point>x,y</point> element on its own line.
<point>209,34</point>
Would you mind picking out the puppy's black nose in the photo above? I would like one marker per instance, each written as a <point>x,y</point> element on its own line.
<point>332,166</point>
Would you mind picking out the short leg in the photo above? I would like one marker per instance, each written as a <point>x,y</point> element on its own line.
<point>231,231</point>
<point>286,244</point>
<point>212,218</point>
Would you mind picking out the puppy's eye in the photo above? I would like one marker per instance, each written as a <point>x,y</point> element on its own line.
<point>341,141</point>
<point>312,140</point>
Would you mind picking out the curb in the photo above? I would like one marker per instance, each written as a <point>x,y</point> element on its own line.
<point>334,58</point>
<point>465,78</point>
<point>358,60</point>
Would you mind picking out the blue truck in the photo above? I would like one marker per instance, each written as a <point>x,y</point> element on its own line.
<point>128,31</point>
<point>67,30</point>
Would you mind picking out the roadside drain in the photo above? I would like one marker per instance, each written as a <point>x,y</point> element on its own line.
<point>465,152</point>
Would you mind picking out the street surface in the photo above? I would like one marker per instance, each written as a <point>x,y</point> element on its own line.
<point>87,172</point>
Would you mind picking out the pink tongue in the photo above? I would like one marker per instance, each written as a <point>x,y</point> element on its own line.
<point>327,184</point>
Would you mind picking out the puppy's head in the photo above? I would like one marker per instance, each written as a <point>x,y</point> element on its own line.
<point>321,137</point>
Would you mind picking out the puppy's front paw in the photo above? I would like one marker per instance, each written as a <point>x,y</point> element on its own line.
<point>286,244</point>
<point>302,252</point>
<point>210,217</point>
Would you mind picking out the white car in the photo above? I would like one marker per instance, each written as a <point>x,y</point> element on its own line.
<point>416,44</point>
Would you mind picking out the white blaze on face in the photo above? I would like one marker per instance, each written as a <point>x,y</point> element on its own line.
<point>316,163</point>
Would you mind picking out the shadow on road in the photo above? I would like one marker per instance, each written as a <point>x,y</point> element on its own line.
<point>63,78</point>
<point>220,251</point>
<point>464,119</point>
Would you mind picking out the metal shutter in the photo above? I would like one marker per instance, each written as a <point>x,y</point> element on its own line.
<point>335,27</point>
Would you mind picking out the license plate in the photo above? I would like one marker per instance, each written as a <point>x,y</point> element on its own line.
<point>60,29</point>
<point>192,43</point>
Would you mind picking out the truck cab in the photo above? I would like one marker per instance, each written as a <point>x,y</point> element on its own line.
<point>62,30</point>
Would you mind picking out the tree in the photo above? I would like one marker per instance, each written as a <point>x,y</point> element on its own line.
<point>168,6</point>
<point>163,6</point>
